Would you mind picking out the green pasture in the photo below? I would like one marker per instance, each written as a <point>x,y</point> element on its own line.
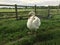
<point>39,11</point>
<point>14,32</point>
<point>24,12</point>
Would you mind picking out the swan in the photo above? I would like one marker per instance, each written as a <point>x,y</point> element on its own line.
<point>33,22</point>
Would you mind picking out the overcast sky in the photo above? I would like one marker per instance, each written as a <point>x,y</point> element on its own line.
<point>31,2</point>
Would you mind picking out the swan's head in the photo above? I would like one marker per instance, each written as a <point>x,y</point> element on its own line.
<point>32,13</point>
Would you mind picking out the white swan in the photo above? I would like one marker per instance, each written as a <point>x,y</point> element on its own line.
<point>33,22</point>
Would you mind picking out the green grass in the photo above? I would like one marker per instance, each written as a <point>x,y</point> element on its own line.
<point>21,12</point>
<point>13,32</point>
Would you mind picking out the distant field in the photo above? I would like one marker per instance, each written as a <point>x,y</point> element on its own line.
<point>13,10</point>
<point>24,12</point>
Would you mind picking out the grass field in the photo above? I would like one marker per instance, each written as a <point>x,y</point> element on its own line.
<point>13,32</point>
<point>25,11</point>
<point>10,13</point>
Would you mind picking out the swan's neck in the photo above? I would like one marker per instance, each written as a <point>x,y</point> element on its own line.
<point>32,18</point>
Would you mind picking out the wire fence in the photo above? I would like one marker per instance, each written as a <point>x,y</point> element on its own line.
<point>21,12</point>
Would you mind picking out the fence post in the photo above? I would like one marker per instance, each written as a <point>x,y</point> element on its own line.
<point>48,12</point>
<point>16,12</point>
<point>35,9</point>
<point>58,9</point>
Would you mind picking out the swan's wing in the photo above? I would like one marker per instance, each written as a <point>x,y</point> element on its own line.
<point>36,22</point>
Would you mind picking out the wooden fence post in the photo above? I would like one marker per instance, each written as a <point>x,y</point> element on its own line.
<point>35,9</point>
<point>58,11</point>
<point>16,12</point>
<point>48,12</point>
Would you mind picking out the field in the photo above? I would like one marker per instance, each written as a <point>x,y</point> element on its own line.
<point>25,11</point>
<point>14,32</point>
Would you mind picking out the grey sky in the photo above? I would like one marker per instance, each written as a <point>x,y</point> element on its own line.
<point>31,2</point>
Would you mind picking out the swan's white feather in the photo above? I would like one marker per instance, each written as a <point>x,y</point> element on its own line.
<point>33,23</point>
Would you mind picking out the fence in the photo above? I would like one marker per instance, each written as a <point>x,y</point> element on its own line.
<point>20,12</point>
